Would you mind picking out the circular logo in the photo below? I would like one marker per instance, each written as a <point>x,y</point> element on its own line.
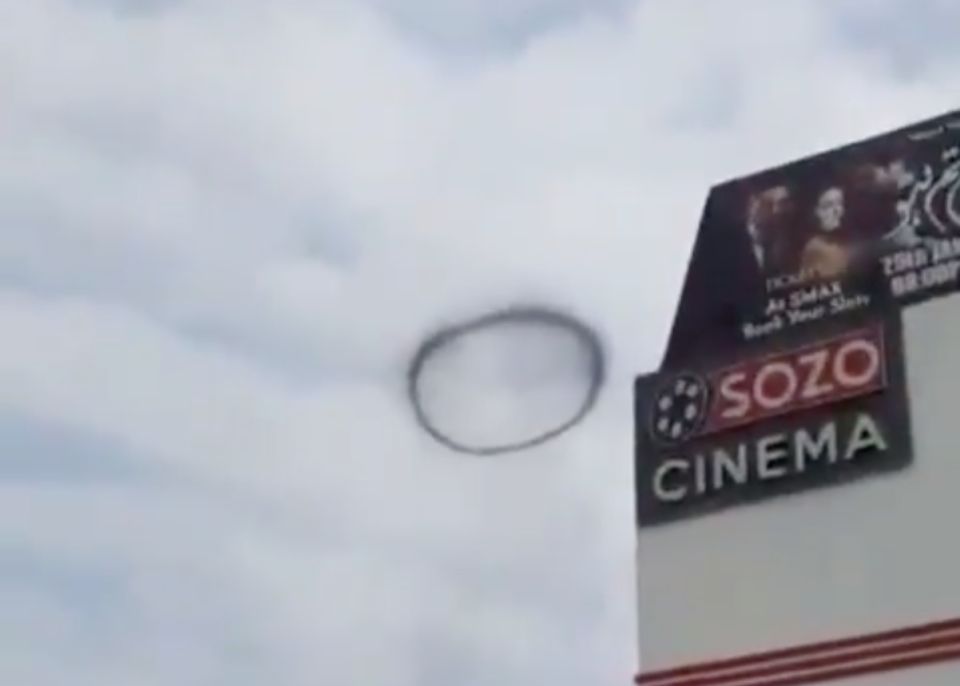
<point>679,409</point>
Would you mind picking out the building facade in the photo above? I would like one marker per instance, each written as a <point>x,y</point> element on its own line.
<point>797,457</point>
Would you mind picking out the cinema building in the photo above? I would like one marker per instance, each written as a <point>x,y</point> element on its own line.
<point>797,464</point>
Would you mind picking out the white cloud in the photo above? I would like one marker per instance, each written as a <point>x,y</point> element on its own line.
<point>225,223</point>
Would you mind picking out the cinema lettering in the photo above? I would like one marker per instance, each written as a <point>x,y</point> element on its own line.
<point>791,420</point>
<point>772,457</point>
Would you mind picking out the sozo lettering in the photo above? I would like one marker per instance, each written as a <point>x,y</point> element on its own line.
<point>752,390</point>
<point>821,373</point>
<point>797,380</point>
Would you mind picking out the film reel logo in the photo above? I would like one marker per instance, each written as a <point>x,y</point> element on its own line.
<point>679,410</point>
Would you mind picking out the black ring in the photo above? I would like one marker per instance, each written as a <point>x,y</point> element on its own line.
<point>523,314</point>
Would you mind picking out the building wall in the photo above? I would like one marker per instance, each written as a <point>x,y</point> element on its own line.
<point>924,655</point>
<point>868,556</point>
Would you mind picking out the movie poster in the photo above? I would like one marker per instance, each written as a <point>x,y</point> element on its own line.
<point>877,219</point>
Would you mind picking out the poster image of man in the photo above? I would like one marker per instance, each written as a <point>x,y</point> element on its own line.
<point>767,225</point>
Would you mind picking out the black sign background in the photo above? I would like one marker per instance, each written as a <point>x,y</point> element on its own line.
<point>726,286</point>
<point>889,407</point>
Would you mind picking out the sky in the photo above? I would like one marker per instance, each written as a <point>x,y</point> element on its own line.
<point>225,223</point>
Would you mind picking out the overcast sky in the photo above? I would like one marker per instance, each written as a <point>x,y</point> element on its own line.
<point>224,222</point>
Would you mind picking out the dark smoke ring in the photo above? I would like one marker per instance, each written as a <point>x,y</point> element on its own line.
<point>539,315</point>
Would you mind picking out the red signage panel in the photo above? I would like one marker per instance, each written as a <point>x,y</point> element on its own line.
<point>822,373</point>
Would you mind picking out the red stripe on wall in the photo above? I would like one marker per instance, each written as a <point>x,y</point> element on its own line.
<point>824,661</point>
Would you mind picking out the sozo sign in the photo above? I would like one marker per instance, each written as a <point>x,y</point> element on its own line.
<point>821,373</point>
<point>825,373</point>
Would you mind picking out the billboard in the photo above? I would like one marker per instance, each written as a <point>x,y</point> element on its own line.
<point>796,570</point>
<point>795,452</point>
<point>825,236</point>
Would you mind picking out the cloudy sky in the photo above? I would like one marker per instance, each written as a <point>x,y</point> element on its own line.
<point>225,222</point>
